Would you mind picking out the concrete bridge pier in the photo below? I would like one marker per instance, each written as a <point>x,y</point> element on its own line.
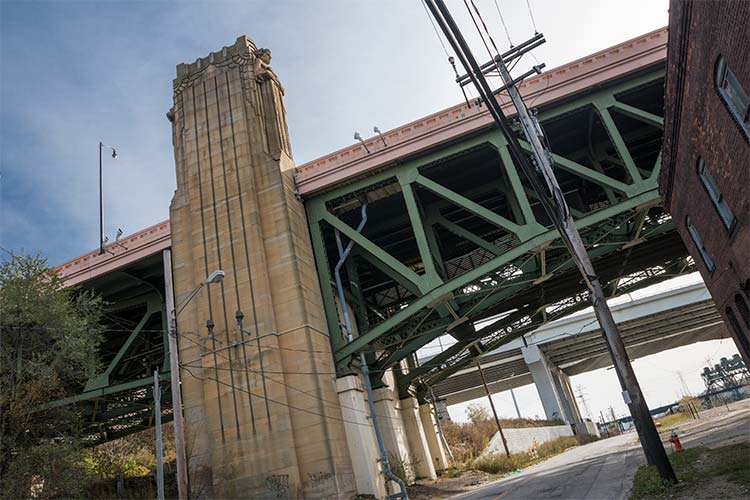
<point>553,386</point>
<point>438,453</point>
<point>416,435</point>
<point>406,438</point>
<point>360,436</point>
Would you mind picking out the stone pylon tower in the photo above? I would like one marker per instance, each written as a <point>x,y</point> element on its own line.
<point>260,404</point>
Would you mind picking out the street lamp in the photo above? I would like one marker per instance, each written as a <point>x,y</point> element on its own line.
<point>174,366</point>
<point>101,199</point>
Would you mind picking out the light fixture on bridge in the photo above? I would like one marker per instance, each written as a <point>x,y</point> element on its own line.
<point>118,234</point>
<point>377,131</point>
<point>101,198</point>
<point>359,138</point>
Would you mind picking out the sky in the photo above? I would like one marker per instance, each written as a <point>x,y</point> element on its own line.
<point>73,73</point>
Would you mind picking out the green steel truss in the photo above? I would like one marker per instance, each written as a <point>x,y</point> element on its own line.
<point>119,399</point>
<point>456,239</point>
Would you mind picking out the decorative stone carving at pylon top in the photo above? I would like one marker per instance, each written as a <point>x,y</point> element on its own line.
<point>242,52</point>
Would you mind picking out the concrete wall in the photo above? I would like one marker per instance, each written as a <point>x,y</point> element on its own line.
<point>520,440</point>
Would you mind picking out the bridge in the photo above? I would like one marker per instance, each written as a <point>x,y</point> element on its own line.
<point>549,355</point>
<point>444,236</point>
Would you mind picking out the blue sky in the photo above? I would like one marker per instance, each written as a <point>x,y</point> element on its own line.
<point>77,72</point>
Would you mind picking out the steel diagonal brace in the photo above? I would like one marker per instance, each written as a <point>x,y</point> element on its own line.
<point>467,278</point>
<point>374,251</point>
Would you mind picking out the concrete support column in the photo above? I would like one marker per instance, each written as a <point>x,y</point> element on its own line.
<point>360,437</point>
<point>570,399</point>
<point>434,442</point>
<point>553,386</point>
<point>415,434</point>
<point>391,425</point>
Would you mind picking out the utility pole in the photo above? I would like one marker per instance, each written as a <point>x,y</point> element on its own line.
<point>554,203</point>
<point>581,395</point>
<point>515,403</point>
<point>174,373</point>
<point>492,405</point>
<point>157,423</point>
<point>440,427</point>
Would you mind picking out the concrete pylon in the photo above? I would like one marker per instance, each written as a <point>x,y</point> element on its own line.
<point>553,386</point>
<point>434,441</point>
<point>392,428</point>
<point>257,421</point>
<point>360,436</point>
<point>415,434</point>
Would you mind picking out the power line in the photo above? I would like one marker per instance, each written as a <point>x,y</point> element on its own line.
<point>531,14</point>
<point>270,400</point>
<point>437,33</point>
<point>502,20</point>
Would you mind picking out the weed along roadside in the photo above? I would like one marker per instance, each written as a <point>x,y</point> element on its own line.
<point>702,472</point>
<point>495,463</point>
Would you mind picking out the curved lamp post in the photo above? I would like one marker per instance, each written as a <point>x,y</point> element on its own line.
<point>174,366</point>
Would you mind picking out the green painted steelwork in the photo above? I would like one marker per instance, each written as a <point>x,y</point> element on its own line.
<point>119,400</point>
<point>455,237</point>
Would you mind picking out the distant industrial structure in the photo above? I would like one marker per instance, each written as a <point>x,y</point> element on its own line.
<point>728,379</point>
<point>705,176</point>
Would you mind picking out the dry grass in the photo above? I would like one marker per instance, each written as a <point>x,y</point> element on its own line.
<point>672,419</point>
<point>469,440</point>
<point>502,464</point>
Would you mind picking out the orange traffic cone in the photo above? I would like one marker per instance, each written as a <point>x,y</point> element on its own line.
<point>675,440</point>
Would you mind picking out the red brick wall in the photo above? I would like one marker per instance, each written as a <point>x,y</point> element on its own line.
<point>698,124</point>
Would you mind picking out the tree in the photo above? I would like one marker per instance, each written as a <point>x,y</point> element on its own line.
<point>477,413</point>
<point>49,337</point>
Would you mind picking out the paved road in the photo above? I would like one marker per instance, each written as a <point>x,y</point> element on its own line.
<point>604,470</point>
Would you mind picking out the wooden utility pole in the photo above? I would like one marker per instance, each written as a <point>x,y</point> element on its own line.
<point>553,201</point>
<point>492,405</point>
<point>159,448</point>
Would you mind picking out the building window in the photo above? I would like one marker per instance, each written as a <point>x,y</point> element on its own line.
<point>727,217</point>
<point>699,245</point>
<point>734,95</point>
<point>741,305</point>
<point>739,334</point>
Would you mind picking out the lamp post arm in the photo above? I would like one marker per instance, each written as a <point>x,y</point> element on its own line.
<point>187,300</point>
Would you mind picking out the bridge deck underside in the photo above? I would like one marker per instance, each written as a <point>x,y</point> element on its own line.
<point>456,236</point>
<point>118,400</point>
<point>577,353</point>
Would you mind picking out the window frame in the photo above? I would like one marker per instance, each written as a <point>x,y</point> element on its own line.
<point>714,194</point>
<point>730,90</point>
<point>699,245</point>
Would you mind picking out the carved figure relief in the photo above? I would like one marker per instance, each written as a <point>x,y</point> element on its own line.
<point>263,70</point>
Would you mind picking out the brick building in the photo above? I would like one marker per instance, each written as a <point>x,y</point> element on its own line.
<point>705,174</point>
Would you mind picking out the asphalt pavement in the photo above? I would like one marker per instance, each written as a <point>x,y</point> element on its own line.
<point>604,470</point>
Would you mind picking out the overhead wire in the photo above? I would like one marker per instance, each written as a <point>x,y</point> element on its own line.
<point>531,14</point>
<point>502,21</point>
<point>437,33</point>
